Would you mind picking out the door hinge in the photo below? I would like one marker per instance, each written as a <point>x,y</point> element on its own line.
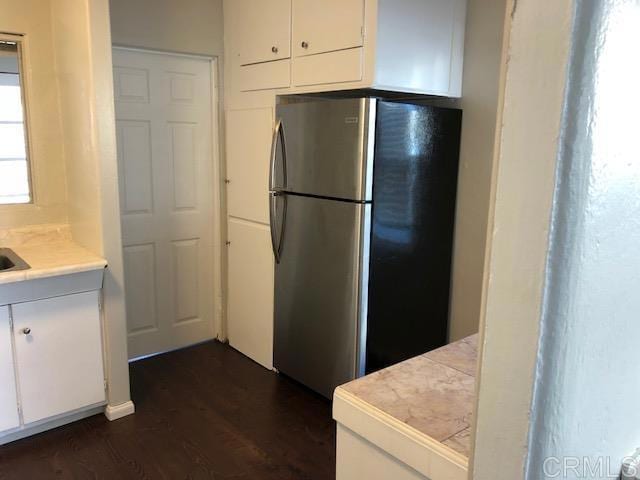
<point>362,30</point>
<point>106,385</point>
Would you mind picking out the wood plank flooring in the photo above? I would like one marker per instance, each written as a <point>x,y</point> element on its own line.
<point>205,412</point>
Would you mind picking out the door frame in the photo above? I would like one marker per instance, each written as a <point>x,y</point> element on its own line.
<point>216,197</point>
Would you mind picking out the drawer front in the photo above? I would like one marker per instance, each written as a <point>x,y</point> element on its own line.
<point>334,67</point>
<point>58,345</point>
<point>265,76</point>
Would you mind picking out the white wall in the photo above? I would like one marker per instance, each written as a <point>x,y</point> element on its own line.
<point>32,18</point>
<point>587,388</point>
<point>81,33</point>
<point>186,26</point>
<point>483,52</point>
<point>530,116</point>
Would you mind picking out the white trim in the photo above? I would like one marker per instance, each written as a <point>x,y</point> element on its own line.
<point>164,52</point>
<point>114,412</point>
<point>424,454</point>
<point>24,432</point>
<point>217,203</point>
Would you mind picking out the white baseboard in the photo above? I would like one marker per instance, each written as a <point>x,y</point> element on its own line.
<point>114,412</point>
<point>45,425</point>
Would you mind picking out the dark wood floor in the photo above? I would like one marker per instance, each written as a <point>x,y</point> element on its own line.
<point>204,412</point>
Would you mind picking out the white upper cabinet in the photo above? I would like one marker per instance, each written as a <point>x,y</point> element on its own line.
<point>261,29</point>
<point>412,46</point>
<point>326,26</point>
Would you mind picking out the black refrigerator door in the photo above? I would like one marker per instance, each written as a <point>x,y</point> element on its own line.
<point>414,198</point>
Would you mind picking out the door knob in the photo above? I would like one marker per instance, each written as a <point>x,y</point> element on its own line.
<point>26,331</point>
<point>274,49</point>
<point>304,45</point>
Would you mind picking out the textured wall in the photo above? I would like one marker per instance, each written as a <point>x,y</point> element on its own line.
<point>587,392</point>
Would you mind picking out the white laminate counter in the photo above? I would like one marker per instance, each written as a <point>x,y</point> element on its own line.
<point>49,250</point>
<point>409,421</point>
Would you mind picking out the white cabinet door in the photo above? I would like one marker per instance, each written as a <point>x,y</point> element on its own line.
<point>249,136</point>
<point>58,345</point>
<point>261,29</point>
<point>9,417</point>
<point>326,26</point>
<point>250,301</point>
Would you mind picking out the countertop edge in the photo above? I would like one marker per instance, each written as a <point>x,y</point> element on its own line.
<point>9,278</point>
<point>424,454</point>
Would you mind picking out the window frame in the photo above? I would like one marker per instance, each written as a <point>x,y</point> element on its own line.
<point>23,71</point>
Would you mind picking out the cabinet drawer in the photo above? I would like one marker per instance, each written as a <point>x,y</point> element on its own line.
<point>58,345</point>
<point>333,67</point>
<point>265,76</point>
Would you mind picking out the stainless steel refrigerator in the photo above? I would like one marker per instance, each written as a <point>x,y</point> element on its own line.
<point>362,197</point>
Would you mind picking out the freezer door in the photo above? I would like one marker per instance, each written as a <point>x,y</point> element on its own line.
<point>320,290</point>
<point>328,146</point>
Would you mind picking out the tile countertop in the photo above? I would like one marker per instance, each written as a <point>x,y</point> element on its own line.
<point>49,250</point>
<point>429,397</point>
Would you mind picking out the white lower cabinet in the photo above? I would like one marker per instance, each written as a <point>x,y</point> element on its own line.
<point>9,417</point>
<point>51,359</point>
<point>250,297</point>
<point>58,354</point>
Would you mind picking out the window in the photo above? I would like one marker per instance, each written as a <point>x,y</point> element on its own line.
<point>14,165</point>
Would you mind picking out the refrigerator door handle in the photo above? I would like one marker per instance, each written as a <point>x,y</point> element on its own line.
<point>276,237</point>
<point>278,134</point>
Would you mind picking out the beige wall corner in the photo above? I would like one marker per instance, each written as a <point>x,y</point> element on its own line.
<point>83,45</point>
<point>479,103</point>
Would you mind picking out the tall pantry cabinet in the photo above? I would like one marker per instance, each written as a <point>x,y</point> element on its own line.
<point>284,47</point>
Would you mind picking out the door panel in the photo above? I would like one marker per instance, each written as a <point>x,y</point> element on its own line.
<point>261,29</point>
<point>318,291</point>
<point>250,301</point>
<point>61,359</point>
<point>326,26</point>
<point>326,147</point>
<point>164,132</point>
<point>9,417</point>
<point>248,163</point>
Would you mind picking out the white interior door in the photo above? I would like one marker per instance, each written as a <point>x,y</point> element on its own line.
<point>8,399</point>
<point>165,145</point>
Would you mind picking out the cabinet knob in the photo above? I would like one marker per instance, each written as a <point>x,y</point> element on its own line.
<point>26,331</point>
<point>274,49</point>
<point>304,44</point>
